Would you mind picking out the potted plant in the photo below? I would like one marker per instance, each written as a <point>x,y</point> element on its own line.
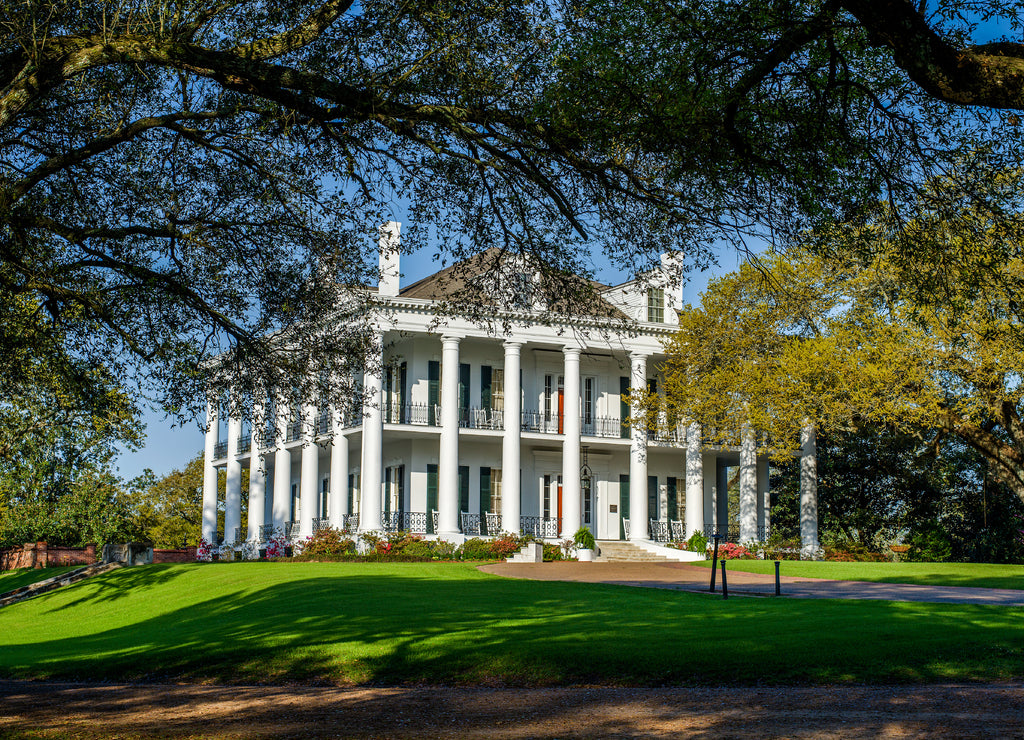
<point>585,545</point>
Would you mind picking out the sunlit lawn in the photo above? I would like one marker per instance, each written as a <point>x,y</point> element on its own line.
<point>984,575</point>
<point>351,623</point>
<point>12,579</point>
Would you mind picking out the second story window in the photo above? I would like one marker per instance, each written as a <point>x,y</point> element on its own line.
<point>656,305</point>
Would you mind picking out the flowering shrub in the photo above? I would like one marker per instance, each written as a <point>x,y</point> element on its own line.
<point>327,542</point>
<point>226,553</point>
<point>204,551</point>
<point>506,545</point>
<point>732,551</point>
<point>275,545</point>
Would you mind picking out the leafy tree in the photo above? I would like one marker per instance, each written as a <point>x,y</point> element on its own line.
<point>57,441</point>
<point>170,509</point>
<point>778,115</point>
<point>913,339</point>
<point>877,486</point>
<point>183,179</point>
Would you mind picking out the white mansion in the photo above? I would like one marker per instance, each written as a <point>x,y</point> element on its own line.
<point>466,432</point>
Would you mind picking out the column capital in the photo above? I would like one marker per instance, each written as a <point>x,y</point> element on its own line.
<point>448,340</point>
<point>636,355</point>
<point>512,346</point>
<point>572,349</point>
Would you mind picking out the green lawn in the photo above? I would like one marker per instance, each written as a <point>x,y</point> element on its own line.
<point>359,623</point>
<point>12,579</point>
<point>983,575</point>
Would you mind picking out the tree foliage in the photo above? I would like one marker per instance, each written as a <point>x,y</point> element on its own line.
<point>912,326</point>
<point>169,509</point>
<point>179,179</point>
<point>779,115</point>
<point>877,487</point>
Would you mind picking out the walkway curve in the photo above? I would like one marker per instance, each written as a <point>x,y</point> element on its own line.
<point>684,577</point>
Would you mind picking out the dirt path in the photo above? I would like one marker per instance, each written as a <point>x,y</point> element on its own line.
<point>681,576</point>
<point>44,710</point>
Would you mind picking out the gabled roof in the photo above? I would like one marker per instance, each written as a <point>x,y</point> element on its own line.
<point>457,282</point>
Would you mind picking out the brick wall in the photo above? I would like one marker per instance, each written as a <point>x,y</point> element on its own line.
<point>41,555</point>
<point>180,555</point>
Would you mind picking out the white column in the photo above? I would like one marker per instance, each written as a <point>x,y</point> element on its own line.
<point>257,472</point>
<point>310,472</point>
<point>808,489</point>
<point>209,529</point>
<point>337,504</point>
<point>510,443</point>
<point>373,438</point>
<point>571,493</point>
<point>233,487</point>
<point>710,493</point>
<point>448,452</point>
<point>694,481</point>
<point>638,451</point>
<point>282,466</point>
<point>748,485</point>
<point>764,498</point>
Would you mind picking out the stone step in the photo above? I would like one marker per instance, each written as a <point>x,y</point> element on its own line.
<point>625,552</point>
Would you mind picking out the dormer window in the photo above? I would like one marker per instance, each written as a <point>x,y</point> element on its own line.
<point>656,305</point>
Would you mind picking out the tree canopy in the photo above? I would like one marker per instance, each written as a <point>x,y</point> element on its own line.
<point>178,179</point>
<point>912,326</point>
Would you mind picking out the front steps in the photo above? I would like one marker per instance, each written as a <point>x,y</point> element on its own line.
<point>616,551</point>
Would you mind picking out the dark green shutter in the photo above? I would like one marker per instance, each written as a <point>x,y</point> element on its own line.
<point>673,502</point>
<point>652,497</point>
<point>485,386</point>
<point>433,390</point>
<point>400,471</point>
<point>431,496</point>
<point>387,490</point>
<point>485,492</point>
<point>623,504</point>
<point>652,386</point>
<point>624,407</point>
<point>463,488</point>
<point>351,492</point>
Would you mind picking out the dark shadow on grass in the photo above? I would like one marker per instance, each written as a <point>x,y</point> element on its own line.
<point>120,584</point>
<point>355,627</point>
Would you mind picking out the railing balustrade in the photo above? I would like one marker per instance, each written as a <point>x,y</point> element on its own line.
<point>535,421</point>
<point>539,526</point>
<point>293,432</point>
<point>291,529</point>
<point>602,426</point>
<point>323,424</point>
<point>493,522</point>
<point>220,450</point>
<point>245,443</point>
<point>658,530</point>
<point>321,523</point>
<point>266,532</point>
<point>470,523</point>
<point>676,530</point>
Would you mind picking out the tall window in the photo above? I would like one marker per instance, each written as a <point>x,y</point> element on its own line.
<point>498,390</point>
<point>588,401</point>
<point>495,490</point>
<point>546,510</point>
<point>548,391</point>
<point>656,305</point>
